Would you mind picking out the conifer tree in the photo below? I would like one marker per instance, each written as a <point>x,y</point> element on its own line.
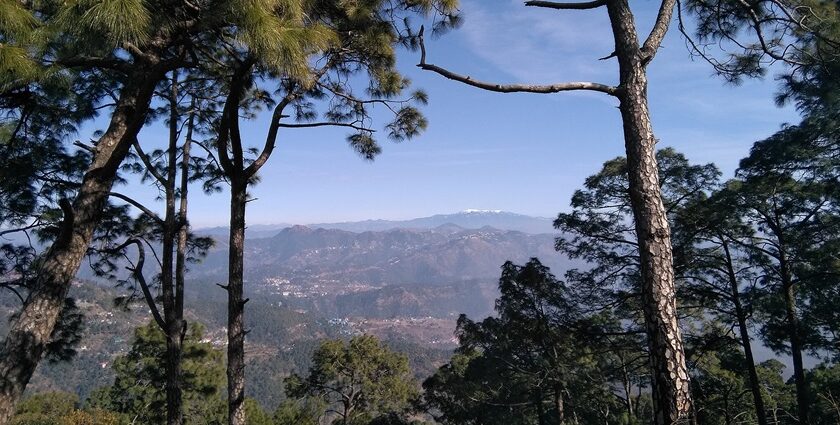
<point>131,46</point>
<point>357,381</point>
<point>670,381</point>
<point>341,40</point>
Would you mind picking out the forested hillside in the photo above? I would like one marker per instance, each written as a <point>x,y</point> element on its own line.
<point>687,152</point>
<point>281,343</point>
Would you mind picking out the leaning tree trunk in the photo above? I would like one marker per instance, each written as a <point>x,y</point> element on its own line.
<point>236,303</point>
<point>670,381</point>
<point>741,317</point>
<point>28,337</point>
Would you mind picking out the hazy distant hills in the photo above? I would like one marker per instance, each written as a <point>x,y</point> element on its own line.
<point>467,219</point>
<point>252,231</point>
<point>445,254</point>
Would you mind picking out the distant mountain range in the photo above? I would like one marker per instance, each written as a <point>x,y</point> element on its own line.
<point>467,219</point>
<point>444,254</point>
<point>437,272</point>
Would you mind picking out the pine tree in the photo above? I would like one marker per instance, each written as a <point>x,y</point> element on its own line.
<point>341,40</point>
<point>123,51</point>
<point>357,380</point>
<point>139,390</point>
<point>670,375</point>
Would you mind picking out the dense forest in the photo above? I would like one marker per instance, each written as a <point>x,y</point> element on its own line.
<point>678,274</point>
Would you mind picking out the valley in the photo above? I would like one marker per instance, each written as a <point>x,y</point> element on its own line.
<point>405,285</point>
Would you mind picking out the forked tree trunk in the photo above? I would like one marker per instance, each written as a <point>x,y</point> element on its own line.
<point>236,303</point>
<point>26,341</point>
<point>670,381</point>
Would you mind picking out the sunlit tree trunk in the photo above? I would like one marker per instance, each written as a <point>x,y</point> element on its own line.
<point>29,335</point>
<point>670,381</point>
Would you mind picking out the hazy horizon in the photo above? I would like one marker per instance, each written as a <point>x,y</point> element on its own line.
<point>516,152</point>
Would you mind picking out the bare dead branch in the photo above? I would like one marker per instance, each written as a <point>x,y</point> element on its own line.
<point>511,88</point>
<point>327,124</point>
<point>567,5</point>
<point>137,205</point>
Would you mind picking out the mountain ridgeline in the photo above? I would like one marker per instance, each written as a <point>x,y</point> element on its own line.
<point>446,253</point>
<point>405,270</point>
<point>467,219</point>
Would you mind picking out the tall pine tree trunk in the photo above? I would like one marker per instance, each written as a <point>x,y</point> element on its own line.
<point>741,317</point>
<point>28,337</point>
<point>236,303</point>
<point>181,263</point>
<point>670,381</point>
<point>172,316</point>
<point>792,319</point>
<point>174,414</point>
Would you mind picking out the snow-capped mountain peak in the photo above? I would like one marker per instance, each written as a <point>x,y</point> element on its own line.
<point>476,211</point>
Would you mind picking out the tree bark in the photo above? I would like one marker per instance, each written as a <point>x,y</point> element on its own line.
<point>628,390</point>
<point>559,406</point>
<point>26,341</point>
<point>236,303</point>
<point>670,381</point>
<point>741,317</point>
<point>792,318</point>
<point>181,263</point>
<point>172,316</point>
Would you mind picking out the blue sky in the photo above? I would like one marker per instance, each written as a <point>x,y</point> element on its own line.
<point>524,153</point>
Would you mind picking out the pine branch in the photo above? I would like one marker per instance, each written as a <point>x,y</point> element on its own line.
<point>660,28</point>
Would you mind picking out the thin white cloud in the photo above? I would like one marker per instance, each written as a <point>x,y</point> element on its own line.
<point>538,45</point>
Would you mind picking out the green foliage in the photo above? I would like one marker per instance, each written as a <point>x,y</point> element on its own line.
<point>825,394</point>
<point>600,230</point>
<point>59,409</point>
<point>120,20</point>
<point>802,34</point>
<point>358,380</point>
<point>255,414</point>
<point>138,389</point>
<point>303,412</point>
<point>792,205</point>
<point>277,32</point>
<point>720,391</point>
<point>41,407</point>
<point>540,360</point>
